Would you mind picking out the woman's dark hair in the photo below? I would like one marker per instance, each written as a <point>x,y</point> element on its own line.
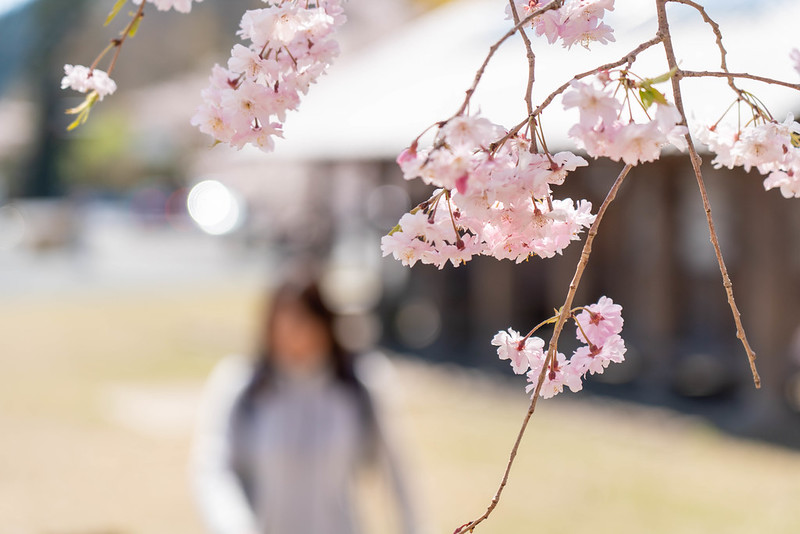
<point>307,294</point>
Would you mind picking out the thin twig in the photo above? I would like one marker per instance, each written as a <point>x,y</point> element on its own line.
<point>117,42</point>
<point>555,4</point>
<point>551,351</point>
<point>714,27</point>
<point>733,75</point>
<point>628,58</point>
<point>531,76</point>
<point>723,53</point>
<point>663,30</point>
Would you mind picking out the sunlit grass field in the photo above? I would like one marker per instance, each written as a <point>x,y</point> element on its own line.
<point>96,402</point>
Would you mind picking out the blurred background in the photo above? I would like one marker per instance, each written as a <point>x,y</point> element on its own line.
<point>133,256</point>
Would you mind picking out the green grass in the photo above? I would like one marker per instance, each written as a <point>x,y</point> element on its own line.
<point>586,465</point>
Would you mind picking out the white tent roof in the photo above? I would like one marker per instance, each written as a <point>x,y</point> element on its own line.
<point>371,105</point>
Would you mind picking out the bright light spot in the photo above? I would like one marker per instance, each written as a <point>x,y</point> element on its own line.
<point>214,207</point>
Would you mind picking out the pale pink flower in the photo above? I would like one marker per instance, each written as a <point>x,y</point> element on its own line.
<point>522,353</point>
<point>290,46</point>
<point>768,146</point>
<point>246,61</point>
<point>404,247</point>
<point>595,359</point>
<point>559,375</point>
<point>788,182</point>
<point>667,118</point>
<point>472,131</point>
<point>577,21</point>
<point>212,120</point>
<point>760,145</point>
<point>84,80</point>
<point>587,31</point>
<point>596,105</point>
<point>599,321</point>
<point>636,143</point>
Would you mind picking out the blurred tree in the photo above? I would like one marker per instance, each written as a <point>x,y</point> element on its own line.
<point>54,19</point>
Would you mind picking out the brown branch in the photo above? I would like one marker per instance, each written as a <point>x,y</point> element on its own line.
<point>733,75</point>
<point>552,348</point>
<point>117,43</point>
<point>663,30</point>
<point>723,53</point>
<point>714,27</point>
<point>628,58</point>
<point>531,75</point>
<point>555,4</point>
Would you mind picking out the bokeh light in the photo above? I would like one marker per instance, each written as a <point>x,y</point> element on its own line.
<point>215,208</point>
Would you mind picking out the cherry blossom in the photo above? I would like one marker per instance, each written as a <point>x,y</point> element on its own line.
<point>290,45</point>
<point>601,323</point>
<point>770,146</point>
<point>524,353</point>
<point>84,80</point>
<point>594,359</point>
<point>561,374</point>
<point>490,200</point>
<point>603,132</point>
<point>575,22</point>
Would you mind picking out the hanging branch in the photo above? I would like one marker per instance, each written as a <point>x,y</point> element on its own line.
<point>663,30</point>
<point>553,346</point>
<point>555,4</point>
<point>531,75</point>
<point>733,75</point>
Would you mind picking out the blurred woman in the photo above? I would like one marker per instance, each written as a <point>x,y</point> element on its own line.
<point>282,438</point>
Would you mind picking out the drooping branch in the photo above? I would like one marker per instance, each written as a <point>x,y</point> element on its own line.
<point>555,4</point>
<point>734,75</point>
<point>117,43</point>
<point>628,58</point>
<point>552,348</point>
<point>663,30</point>
<point>531,74</point>
<point>723,53</point>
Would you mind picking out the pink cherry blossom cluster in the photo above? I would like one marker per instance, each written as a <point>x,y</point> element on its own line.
<point>86,80</point>
<point>605,130</point>
<point>771,147</point>
<point>577,21</point>
<point>492,200</point>
<point>598,327</point>
<point>290,45</point>
<point>183,6</point>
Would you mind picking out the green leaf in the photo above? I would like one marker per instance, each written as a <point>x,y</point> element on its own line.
<point>134,26</point>
<point>397,228</point>
<point>77,122</point>
<point>648,95</point>
<point>663,78</point>
<point>115,11</point>
<point>82,111</point>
